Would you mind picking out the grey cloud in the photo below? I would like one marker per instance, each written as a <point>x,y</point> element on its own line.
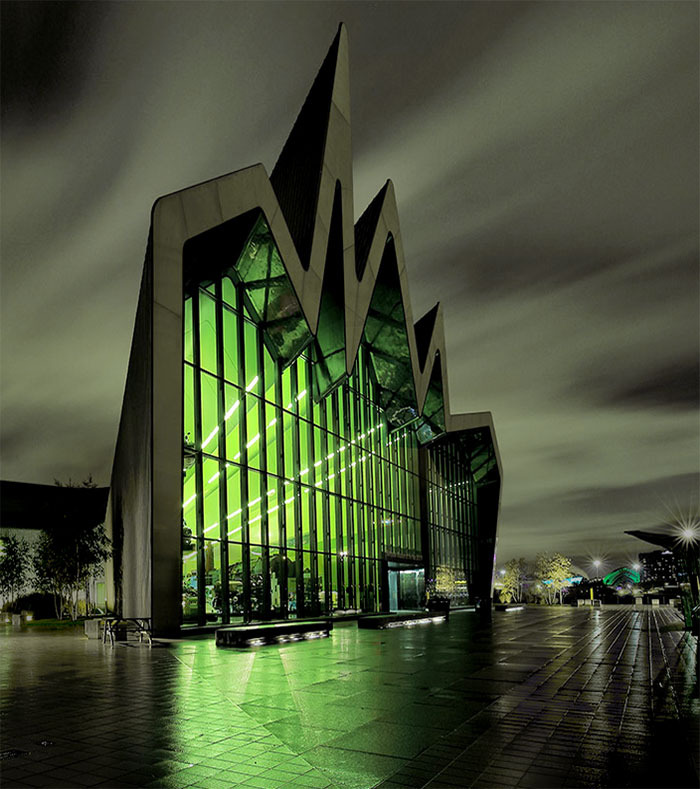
<point>651,497</point>
<point>544,157</point>
<point>673,386</point>
<point>45,54</point>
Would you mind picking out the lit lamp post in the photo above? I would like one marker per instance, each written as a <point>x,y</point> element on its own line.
<point>596,564</point>
<point>637,567</point>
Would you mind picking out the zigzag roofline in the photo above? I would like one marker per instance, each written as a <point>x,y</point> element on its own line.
<point>184,214</point>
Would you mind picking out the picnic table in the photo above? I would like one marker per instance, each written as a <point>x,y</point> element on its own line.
<point>139,625</point>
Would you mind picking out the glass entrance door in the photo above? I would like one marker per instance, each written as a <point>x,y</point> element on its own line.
<point>406,589</point>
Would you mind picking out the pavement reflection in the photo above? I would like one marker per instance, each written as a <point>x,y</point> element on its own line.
<point>545,697</point>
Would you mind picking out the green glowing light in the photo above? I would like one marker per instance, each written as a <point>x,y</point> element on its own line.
<point>249,371</point>
<point>620,576</point>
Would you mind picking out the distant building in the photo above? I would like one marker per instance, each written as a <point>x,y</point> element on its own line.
<point>26,508</point>
<point>286,445</point>
<point>659,568</point>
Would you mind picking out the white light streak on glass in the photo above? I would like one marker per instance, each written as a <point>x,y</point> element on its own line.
<point>231,410</point>
<point>210,436</point>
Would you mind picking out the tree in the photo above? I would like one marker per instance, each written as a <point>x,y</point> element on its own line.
<point>552,571</point>
<point>66,559</point>
<point>71,553</point>
<point>513,581</point>
<point>50,573</point>
<point>14,566</point>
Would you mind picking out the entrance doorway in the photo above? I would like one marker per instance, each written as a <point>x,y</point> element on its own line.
<point>406,588</point>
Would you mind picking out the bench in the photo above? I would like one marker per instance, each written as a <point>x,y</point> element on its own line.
<point>390,621</point>
<point>114,624</point>
<point>257,635</point>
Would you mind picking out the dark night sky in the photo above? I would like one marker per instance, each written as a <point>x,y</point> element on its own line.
<point>545,161</point>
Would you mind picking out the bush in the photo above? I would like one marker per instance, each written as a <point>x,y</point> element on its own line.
<point>39,603</point>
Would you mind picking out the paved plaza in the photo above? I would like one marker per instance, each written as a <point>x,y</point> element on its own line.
<point>544,697</point>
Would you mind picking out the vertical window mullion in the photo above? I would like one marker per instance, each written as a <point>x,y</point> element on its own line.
<point>223,505</point>
<point>262,425</point>
<point>328,558</point>
<point>296,490</point>
<point>243,475</point>
<point>282,512</point>
<point>356,546</point>
<point>199,479</point>
<point>311,459</point>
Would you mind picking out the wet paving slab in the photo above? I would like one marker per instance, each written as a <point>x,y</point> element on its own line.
<point>544,697</point>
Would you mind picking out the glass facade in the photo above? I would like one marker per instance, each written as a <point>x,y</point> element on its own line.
<point>452,522</point>
<point>289,504</point>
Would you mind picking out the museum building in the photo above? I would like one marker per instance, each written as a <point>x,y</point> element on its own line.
<point>286,447</point>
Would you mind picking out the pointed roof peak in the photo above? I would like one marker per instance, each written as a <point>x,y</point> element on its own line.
<point>296,176</point>
<point>365,228</point>
<point>424,334</point>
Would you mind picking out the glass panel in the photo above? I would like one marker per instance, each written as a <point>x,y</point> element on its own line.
<point>253,442</point>
<point>188,332</point>
<point>272,503</point>
<point>190,608</point>
<point>291,583</point>
<point>210,414</point>
<point>207,332</point>
<point>272,448</point>
<point>234,516</point>
<point>210,469</point>
<point>235,579</point>
<point>258,579</point>
<point>278,576</point>
<point>212,569</point>
<point>252,378</point>
<point>230,321</point>
<point>189,433</point>
<point>255,506</point>
<point>289,509</point>
<point>232,422</point>
<point>270,374</point>
<point>228,292</point>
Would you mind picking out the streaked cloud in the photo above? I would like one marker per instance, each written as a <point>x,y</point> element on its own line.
<point>545,160</point>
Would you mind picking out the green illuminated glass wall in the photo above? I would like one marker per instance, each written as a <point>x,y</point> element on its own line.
<point>452,522</point>
<point>289,505</point>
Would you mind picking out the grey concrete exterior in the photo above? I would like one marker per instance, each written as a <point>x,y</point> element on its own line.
<point>146,495</point>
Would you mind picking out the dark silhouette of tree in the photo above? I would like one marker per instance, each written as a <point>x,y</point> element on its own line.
<point>14,567</point>
<point>68,556</point>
